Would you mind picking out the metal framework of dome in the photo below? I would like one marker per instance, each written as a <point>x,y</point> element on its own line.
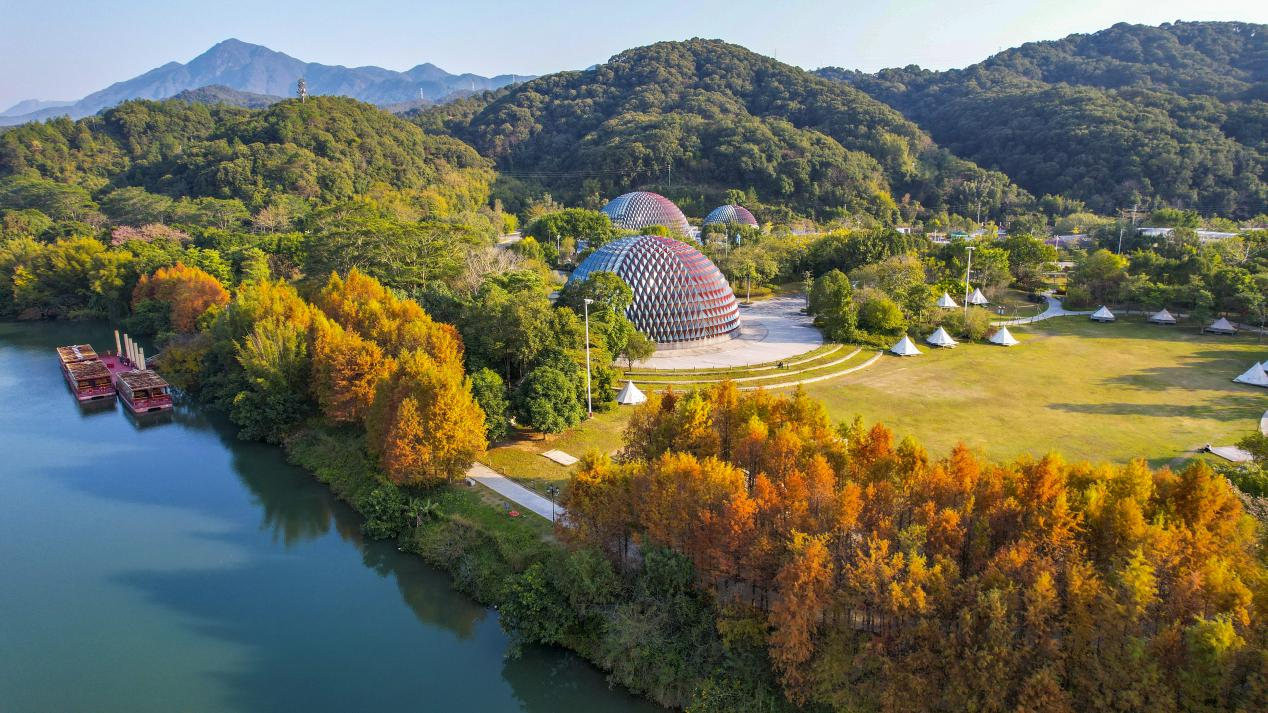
<point>679,294</point>
<point>730,215</point>
<point>641,209</point>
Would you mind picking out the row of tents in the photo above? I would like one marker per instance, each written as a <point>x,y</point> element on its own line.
<point>1219,326</point>
<point>977,298</point>
<point>941,339</point>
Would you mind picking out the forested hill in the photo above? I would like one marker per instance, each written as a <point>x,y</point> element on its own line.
<point>693,119</point>
<point>322,150</point>
<point>1174,113</point>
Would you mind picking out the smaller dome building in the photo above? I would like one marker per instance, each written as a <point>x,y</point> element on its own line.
<point>730,215</point>
<point>680,297</point>
<point>642,209</point>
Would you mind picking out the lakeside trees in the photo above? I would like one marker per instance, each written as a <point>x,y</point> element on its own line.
<point>875,571</point>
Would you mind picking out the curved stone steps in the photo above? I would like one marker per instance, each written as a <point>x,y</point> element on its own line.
<point>802,359</point>
<point>705,381</point>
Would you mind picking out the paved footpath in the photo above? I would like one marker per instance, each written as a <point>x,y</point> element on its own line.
<point>513,491</point>
<point>1055,309</point>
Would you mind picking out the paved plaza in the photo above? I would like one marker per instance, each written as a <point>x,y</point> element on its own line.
<point>771,330</point>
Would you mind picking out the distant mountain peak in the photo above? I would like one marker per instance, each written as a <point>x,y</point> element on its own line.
<point>253,69</point>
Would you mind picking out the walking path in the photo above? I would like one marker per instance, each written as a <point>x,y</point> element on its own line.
<point>1055,309</point>
<point>707,379</point>
<point>513,491</point>
<point>813,379</point>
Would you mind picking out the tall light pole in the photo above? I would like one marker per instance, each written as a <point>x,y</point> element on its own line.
<point>589,402</point>
<point>967,270</point>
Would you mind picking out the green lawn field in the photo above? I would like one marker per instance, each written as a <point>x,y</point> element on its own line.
<point>1098,392</point>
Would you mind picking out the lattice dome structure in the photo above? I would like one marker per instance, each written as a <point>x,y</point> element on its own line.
<point>730,215</point>
<point>641,209</point>
<point>679,295</point>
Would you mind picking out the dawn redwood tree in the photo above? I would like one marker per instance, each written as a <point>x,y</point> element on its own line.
<point>424,424</point>
<point>188,291</point>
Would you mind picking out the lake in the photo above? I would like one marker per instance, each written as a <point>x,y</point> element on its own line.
<point>168,566</point>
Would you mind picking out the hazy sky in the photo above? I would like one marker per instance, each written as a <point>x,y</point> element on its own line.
<point>64,49</point>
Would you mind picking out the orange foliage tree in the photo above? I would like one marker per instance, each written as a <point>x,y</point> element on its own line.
<point>424,424</point>
<point>347,369</point>
<point>188,290</point>
<point>890,580</point>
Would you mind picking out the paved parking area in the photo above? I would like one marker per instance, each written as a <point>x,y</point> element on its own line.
<point>771,330</point>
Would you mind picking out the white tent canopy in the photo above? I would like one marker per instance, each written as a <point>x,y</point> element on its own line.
<point>905,347</point>
<point>1162,317</point>
<point>1004,338</point>
<point>945,302</point>
<point>1255,376</point>
<point>630,394</point>
<point>1103,315</point>
<point>940,338</point>
<point>977,298</point>
<point>1222,326</point>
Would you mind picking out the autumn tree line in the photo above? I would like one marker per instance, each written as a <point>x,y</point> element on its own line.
<point>796,564</point>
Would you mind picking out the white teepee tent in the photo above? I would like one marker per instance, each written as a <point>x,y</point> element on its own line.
<point>1222,326</point>
<point>1255,376</point>
<point>977,298</point>
<point>1162,317</point>
<point>945,302</point>
<point>905,347</point>
<point>1004,338</point>
<point>1103,315</point>
<point>940,338</point>
<point>630,394</point>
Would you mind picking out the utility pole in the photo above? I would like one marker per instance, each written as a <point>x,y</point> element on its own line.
<point>967,270</point>
<point>589,403</point>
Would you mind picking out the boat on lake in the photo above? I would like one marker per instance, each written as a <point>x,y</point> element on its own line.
<point>88,377</point>
<point>140,388</point>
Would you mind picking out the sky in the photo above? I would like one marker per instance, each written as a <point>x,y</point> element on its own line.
<point>65,49</point>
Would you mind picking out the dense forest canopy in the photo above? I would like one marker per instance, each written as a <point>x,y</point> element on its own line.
<point>697,118</point>
<point>1170,115</point>
<point>320,150</point>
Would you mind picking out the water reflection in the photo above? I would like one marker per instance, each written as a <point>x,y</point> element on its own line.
<point>223,546</point>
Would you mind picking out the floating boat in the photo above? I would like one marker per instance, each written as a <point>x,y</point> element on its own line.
<point>141,389</point>
<point>88,378</point>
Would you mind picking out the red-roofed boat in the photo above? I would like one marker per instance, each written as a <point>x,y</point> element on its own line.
<point>89,379</point>
<point>141,389</point>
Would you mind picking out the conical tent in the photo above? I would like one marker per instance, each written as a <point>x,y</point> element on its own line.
<point>977,298</point>
<point>1222,326</point>
<point>905,347</point>
<point>940,338</point>
<point>1103,315</point>
<point>1004,338</point>
<point>1162,317</point>
<point>630,394</point>
<point>1255,376</point>
<point>945,302</point>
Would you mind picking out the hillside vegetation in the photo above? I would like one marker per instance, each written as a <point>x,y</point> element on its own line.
<point>324,149</point>
<point>1172,114</point>
<point>694,119</point>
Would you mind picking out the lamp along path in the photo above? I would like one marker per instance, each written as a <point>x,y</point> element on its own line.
<point>513,491</point>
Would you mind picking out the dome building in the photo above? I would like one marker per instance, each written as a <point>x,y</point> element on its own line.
<point>680,297</point>
<point>730,215</point>
<point>641,209</point>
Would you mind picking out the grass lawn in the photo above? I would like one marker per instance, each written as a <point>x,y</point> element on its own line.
<point>1099,392</point>
<point>521,459</point>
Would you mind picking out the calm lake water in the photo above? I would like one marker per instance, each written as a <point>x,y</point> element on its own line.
<point>171,567</point>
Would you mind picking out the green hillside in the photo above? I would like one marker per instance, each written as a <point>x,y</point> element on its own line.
<point>1171,115</point>
<point>694,119</point>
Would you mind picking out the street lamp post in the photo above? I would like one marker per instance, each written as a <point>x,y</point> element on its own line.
<point>967,269</point>
<point>589,402</point>
<point>553,492</point>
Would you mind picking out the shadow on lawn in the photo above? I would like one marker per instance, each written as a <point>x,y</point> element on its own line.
<point>1213,369</point>
<point>1230,408</point>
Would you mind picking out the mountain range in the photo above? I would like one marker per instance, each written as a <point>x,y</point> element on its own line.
<point>1174,113</point>
<point>256,69</point>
